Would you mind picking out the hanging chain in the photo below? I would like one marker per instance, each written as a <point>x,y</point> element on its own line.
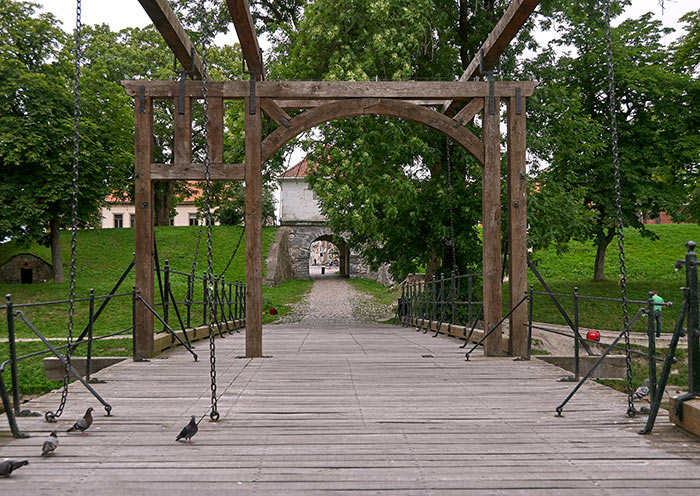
<point>194,265</point>
<point>235,250</point>
<point>52,416</point>
<point>618,205</point>
<point>214,414</point>
<point>451,207</point>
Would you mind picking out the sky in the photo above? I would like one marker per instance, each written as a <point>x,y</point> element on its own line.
<point>129,13</point>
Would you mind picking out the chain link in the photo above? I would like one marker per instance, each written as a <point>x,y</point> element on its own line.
<point>214,414</point>
<point>618,204</point>
<point>52,416</point>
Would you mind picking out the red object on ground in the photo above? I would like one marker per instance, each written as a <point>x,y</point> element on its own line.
<point>593,336</point>
<point>273,311</point>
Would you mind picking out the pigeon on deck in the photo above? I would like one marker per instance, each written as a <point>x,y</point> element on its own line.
<point>83,424</point>
<point>8,466</point>
<point>188,431</point>
<point>641,391</point>
<point>50,444</point>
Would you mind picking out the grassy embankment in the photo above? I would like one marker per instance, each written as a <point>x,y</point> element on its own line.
<point>102,257</point>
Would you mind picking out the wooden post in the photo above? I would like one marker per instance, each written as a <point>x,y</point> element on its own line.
<point>491,217</point>
<point>253,230</point>
<point>517,225</point>
<point>143,229</point>
<point>182,133</point>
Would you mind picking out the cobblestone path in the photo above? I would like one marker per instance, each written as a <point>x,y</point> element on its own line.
<point>334,302</point>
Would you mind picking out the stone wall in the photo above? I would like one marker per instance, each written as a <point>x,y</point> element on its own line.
<point>11,271</point>
<point>298,239</point>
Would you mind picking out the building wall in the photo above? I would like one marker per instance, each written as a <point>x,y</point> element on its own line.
<point>182,216</point>
<point>297,203</point>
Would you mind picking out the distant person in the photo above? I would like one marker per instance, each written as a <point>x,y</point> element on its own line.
<point>657,312</point>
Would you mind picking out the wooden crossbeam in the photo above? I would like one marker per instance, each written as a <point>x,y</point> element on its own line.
<point>245,29</point>
<point>333,90</point>
<point>465,115</point>
<point>274,111</point>
<point>498,40</point>
<point>195,172</point>
<point>167,23</point>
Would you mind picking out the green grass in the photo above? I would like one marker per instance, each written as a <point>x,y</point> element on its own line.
<point>102,257</point>
<point>282,297</point>
<point>649,265</point>
<point>381,295</point>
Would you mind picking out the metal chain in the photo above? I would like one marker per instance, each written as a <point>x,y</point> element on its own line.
<point>235,250</point>
<point>452,214</point>
<point>618,204</point>
<point>214,414</point>
<point>52,416</point>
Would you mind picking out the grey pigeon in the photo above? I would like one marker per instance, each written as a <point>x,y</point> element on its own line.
<point>8,466</point>
<point>188,431</point>
<point>83,424</point>
<point>50,444</point>
<point>641,391</point>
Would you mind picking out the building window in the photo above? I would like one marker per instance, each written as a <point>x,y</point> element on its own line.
<point>193,220</point>
<point>118,220</point>
<point>132,219</point>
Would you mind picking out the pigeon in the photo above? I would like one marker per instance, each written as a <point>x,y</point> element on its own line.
<point>641,391</point>
<point>50,444</point>
<point>8,466</point>
<point>188,431</point>
<point>83,424</point>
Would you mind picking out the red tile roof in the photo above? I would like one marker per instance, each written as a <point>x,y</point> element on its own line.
<point>298,170</point>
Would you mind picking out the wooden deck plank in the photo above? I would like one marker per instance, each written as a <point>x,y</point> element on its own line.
<point>351,409</point>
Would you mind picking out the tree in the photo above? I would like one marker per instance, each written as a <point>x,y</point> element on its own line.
<point>36,126</point>
<point>383,183</point>
<point>570,129</point>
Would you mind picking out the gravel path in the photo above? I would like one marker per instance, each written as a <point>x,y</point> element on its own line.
<point>332,302</point>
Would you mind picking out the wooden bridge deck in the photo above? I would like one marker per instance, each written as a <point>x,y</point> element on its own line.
<point>371,410</point>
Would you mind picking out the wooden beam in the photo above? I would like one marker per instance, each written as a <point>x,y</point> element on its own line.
<point>274,111</point>
<point>253,231</point>
<point>308,104</point>
<point>245,29</point>
<point>195,172</point>
<point>167,23</point>
<point>143,229</point>
<point>334,90</point>
<point>498,40</point>
<point>491,218</point>
<point>517,226</point>
<point>372,106</point>
<point>215,122</point>
<point>466,115</point>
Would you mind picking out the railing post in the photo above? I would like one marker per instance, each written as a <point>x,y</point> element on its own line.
<point>13,352</point>
<point>133,323</point>
<point>652,347</point>
<point>216,298</point>
<point>230,312</point>
<point>691,282</point>
<point>166,284</point>
<point>442,299</point>
<point>470,294</point>
<point>530,305</point>
<point>433,296</point>
<point>188,300</point>
<point>204,299</point>
<point>91,319</point>
<point>577,344</point>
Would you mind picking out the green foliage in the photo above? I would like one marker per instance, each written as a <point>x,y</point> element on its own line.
<point>687,47</point>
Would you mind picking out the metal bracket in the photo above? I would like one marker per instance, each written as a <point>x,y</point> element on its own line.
<point>183,73</point>
<point>458,122</point>
<point>492,94</point>
<point>481,60</point>
<point>518,101</point>
<point>284,122</point>
<point>252,86</point>
<point>142,99</point>
<point>678,404</point>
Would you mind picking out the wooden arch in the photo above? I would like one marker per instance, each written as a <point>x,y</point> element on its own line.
<point>372,106</point>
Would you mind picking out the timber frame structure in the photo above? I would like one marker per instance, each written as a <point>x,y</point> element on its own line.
<point>433,104</point>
